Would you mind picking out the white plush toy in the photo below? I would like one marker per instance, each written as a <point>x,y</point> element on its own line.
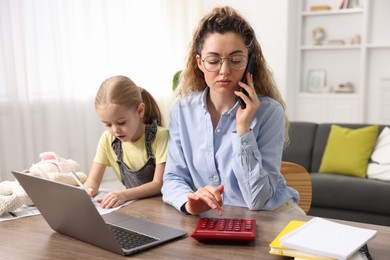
<point>51,167</point>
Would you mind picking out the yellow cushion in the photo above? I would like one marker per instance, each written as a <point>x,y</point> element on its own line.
<point>348,150</point>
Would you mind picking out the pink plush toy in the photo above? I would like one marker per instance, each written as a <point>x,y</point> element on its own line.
<point>51,167</point>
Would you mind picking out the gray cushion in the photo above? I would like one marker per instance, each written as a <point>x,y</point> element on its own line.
<point>350,193</point>
<point>299,150</point>
<point>351,215</point>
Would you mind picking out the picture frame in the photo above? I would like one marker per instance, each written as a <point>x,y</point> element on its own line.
<point>316,80</point>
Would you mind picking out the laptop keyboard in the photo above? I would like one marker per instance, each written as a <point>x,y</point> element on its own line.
<point>129,239</point>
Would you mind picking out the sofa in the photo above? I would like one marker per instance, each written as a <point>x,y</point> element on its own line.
<point>336,196</point>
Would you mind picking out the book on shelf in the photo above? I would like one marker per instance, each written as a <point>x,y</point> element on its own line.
<point>336,42</point>
<point>344,4</point>
<point>326,238</point>
<point>320,8</point>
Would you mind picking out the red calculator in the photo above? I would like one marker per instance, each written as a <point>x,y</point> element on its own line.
<point>225,229</point>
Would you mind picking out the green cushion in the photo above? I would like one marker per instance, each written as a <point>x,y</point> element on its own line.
<point>348,150</point>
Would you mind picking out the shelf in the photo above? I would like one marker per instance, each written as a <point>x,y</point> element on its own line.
<point>363,60</point>
<point>378,45</point>
<point>331,47</point>
<point>328,95</point>
<point>333,12</point>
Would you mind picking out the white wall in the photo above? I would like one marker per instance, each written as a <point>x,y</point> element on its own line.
<point>269,19</point>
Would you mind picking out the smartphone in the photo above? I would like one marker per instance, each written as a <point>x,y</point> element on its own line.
<point>249,68</point>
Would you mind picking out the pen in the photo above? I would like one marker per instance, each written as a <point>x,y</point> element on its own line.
<point>76,178</point>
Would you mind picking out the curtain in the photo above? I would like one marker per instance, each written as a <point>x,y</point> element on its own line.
<point>56,53</point>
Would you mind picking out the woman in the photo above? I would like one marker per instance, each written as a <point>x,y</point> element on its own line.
<point>219,152</point>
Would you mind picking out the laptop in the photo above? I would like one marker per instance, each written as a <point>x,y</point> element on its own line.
<point>70,211</point>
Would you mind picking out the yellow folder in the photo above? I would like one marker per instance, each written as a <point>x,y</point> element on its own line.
<point>277,249</point>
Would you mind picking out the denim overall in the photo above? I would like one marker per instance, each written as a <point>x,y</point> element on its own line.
<point>145,174</point>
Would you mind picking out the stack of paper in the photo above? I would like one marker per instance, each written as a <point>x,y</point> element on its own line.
<point>276,247</point>
<point>321,239</point>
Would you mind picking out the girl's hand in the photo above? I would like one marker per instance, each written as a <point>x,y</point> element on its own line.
<point>245,116</point>
<point>205,199</point>
<point>112,200</point>
<point>91,192</point>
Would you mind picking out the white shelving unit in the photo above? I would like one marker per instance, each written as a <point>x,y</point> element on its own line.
<point>363,60</point>
<point>378,62</point>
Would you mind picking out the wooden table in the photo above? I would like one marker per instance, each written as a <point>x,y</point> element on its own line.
<point>32,238</point>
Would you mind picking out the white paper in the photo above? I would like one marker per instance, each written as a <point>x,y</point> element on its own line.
<point>327,238</point>
<point>27,211</point>
<point>102,211</point>
<point>21,212</point>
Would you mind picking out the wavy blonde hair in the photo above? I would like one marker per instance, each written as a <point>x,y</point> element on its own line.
<point>223,20</point>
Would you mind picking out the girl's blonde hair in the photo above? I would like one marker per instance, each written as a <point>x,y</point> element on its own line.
<point>121,90</point>
<point>223,20</point>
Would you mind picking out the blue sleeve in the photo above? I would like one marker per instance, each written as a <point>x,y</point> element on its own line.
<point>257,157</point>
<point>177,181</point>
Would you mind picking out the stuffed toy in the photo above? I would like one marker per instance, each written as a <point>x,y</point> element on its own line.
<point>51,167</point>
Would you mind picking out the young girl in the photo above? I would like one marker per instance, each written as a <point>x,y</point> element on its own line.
<point>134,144</point>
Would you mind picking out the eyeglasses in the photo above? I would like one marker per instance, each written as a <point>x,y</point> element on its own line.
<point>213,63</point>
